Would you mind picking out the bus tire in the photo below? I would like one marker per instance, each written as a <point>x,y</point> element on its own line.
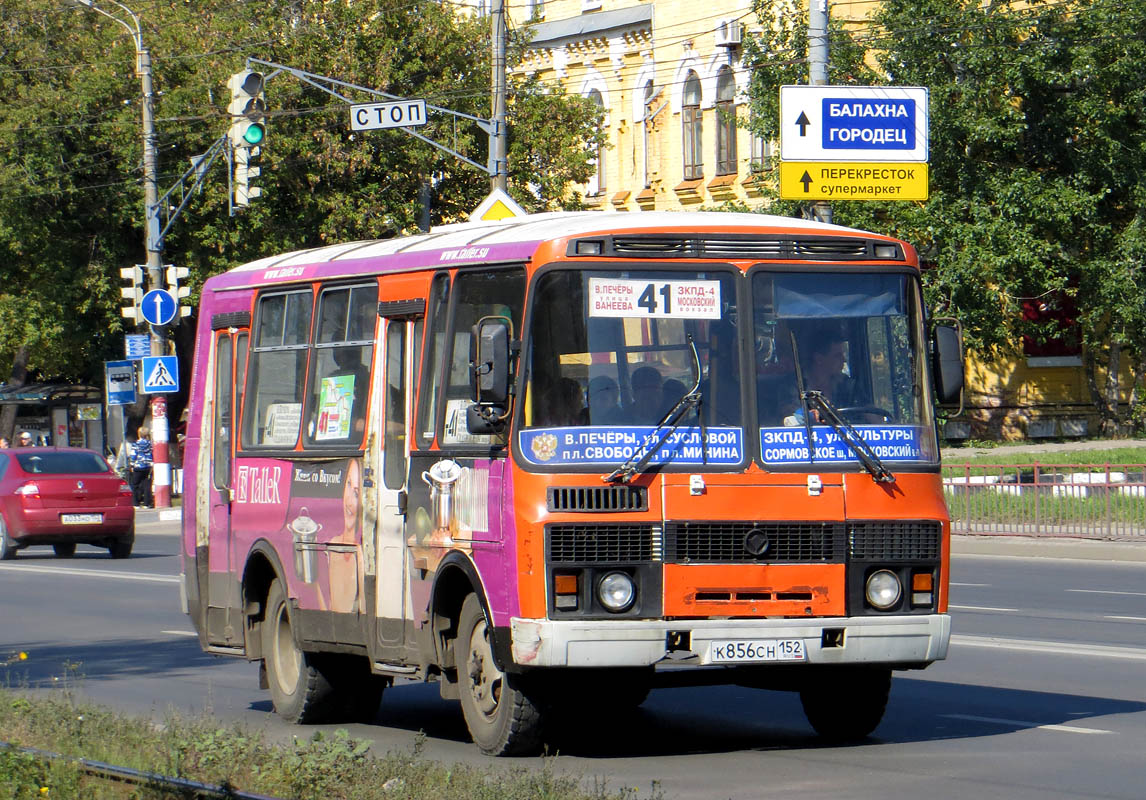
<point>501,718</point>
<point>299,690</point>
<point>849,707</point>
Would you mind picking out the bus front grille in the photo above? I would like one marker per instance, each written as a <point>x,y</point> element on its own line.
<point>894,540</point>
<point>754,542</point>
<point>603,544</point>
<point>597,499</point>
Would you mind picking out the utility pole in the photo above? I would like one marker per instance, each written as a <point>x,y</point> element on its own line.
<point>497,136</point>
<point>161,468</point>
<point>818,68</point>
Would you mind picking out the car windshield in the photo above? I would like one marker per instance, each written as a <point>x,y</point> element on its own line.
<point>858,341</point>
<point>41,463</point>
<point>612,353</point>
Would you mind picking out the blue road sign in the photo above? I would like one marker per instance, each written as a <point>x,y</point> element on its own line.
<point>160,375</point>
<point>120,377</point>
<point>853,123</point>
<point>158,307</point>
<point>137,345</point>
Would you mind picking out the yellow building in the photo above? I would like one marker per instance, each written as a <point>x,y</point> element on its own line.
<point>671,78</point>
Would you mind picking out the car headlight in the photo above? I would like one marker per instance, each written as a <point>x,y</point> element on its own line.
<point>616,591</point>
<point>883,590</point>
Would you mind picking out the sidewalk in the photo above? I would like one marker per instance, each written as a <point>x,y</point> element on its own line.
<point>953,455</point>
<point>1035,547</point>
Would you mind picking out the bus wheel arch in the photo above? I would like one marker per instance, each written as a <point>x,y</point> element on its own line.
<point>261,570</point>
<point>456,579</point>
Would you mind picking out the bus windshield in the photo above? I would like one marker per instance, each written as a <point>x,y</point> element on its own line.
<point>612,353</point>
<point>858,340</point>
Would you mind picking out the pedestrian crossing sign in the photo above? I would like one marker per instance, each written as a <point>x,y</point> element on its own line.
<point>160,375</point>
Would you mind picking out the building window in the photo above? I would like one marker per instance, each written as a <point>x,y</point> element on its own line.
<point>762,153</point>
<point>725,123</point>
<point>597,181</point>
<point>691,128</point>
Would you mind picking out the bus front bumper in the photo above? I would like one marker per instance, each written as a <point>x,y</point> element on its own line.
<point>913,640</point>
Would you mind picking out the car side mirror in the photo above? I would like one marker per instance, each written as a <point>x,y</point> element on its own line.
<point>947,363</point>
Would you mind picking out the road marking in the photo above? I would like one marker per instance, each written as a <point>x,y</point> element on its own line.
<point>181,633</point>
<point>1026,724</point>
<point>1057,648</point>
<point>149,577</point>
<point>1129,619</point>
<point>981,608</point>
<point>969,584</point>
<point>1107,591</point>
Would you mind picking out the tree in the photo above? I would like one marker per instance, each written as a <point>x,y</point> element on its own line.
<point>71,197</point>
<point>1037,148</point>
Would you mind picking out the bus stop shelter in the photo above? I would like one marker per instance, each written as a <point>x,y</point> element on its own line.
<point>59,414</point>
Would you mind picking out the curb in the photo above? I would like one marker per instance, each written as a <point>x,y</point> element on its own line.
<point>1057,547</point>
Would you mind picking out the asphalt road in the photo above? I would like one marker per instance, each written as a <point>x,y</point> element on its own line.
<point>1043,694</point>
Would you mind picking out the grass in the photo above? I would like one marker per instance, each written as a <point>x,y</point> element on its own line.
<point>323,767</point>
<point>1097,457</point>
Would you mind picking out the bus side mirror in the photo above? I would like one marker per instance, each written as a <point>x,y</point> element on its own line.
<point>489,361</point>
<point>947,363</point>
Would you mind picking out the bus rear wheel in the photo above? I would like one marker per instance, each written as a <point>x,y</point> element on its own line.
<point>299,690</point>
<point>851,706</point>
<point>501,718</point>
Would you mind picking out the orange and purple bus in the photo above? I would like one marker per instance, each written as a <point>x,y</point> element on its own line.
<point>563,459</point>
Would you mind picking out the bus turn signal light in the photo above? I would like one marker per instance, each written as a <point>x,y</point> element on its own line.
<point>921,586</point>
<point>565,592</point>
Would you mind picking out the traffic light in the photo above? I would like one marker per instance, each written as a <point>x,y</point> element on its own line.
<point>248,109</point>
<point>246,170</point>
<point>133,293</point>
<point>248,130</point>
<point>180,293</point>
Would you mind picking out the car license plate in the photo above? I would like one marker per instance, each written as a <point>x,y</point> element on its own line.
<point>81,519</point>
<point>752,650</point>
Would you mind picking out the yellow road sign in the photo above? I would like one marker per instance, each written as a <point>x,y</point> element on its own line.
<point>846,180</point>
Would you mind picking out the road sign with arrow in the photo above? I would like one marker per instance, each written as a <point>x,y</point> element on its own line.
<point>844,180</point>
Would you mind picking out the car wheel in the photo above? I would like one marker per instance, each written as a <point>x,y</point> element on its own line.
<point>8,547</point>
<point>851,706</point>
<point>300,691</point>
<point>121,547</point>
<point>501,719</point>
<point>65,549</point>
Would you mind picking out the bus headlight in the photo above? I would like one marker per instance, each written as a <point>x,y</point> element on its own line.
<point>616,591</point>
<point>883,590</point>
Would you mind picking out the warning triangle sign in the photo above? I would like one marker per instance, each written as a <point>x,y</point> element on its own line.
<point>161,377</point>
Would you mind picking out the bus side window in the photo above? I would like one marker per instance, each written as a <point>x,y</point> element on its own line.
<point>394,441</point>
<point>497,293</point>
<point>434,353</point>
<point>340,366</point>
<point>277,373</point>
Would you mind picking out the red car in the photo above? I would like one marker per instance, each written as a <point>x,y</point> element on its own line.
<point>63,496</point>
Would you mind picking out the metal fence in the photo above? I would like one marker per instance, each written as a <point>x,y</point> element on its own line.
<point>1085,501</point>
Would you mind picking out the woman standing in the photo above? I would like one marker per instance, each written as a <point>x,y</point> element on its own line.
<point>141,469</point>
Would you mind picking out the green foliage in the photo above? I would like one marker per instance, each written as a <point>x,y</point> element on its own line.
<point>71,194</point>
<point>1037,158</point>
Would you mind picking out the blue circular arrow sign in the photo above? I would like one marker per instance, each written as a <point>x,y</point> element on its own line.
<point>158,307</point>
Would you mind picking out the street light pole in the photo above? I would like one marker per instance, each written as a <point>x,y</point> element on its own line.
<point>161,470</point>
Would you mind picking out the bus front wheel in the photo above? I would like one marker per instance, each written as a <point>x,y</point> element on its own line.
<point>850,706</point>
<point>299,690</point>
<point>501,718</point>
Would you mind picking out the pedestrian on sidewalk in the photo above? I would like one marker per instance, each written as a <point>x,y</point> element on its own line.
<point>141,469</point>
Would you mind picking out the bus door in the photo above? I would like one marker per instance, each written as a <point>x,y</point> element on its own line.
<point>402,325</point>
<point>224,606</point>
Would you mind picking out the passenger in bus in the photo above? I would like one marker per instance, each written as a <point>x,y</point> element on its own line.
<point>671,393</point>
<point>346,568</point>
<point>562,405</point>
<point>648,396</point>
<point>605,402</point>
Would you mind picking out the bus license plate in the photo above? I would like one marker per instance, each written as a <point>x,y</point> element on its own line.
<point>753,650</point>
<point>81,519</point>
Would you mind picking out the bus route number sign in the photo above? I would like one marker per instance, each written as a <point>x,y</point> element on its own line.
<point>618,297</point>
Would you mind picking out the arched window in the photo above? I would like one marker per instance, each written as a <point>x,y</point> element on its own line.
<point>597,182</point>
<point>690,128</point>
<point>725,122</point>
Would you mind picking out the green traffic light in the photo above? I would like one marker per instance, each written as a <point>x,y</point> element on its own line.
<point>254,133</point>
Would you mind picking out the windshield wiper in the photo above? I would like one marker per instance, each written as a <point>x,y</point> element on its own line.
<point>640,458</point>
<point>849,434</point>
